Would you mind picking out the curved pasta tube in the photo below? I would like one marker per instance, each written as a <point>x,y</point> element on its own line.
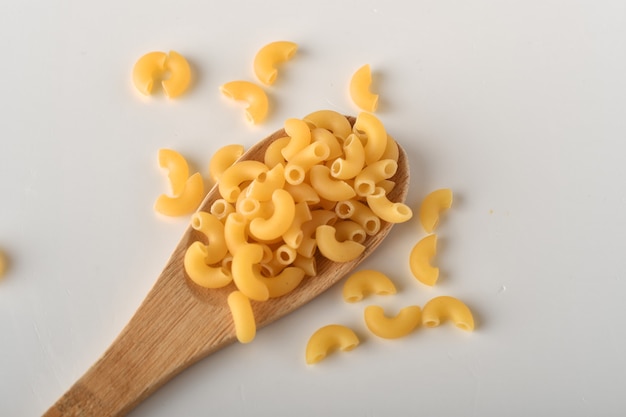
<point>360,213</point>
<point>236,174</point>
<point>285,282</point>
<point>235,234</point>
<point>327,338</point>
<point>274,152</point>
<point>211,227</point>
<point>303,193</point>
<point>197,268</point>
<point>282,217</point>
<point>180,75</point>
<point>221,209</point>
<point>445,307</point>
<point>300,137</point>
<point>349,230</point>
<point>294,235</point>
<point>334,250</point>
<point>319,134</point>
<point>337,123</point>
<point>185,203</point>
<point>318,217</point>
<point>348,167</point>
<point>376,136</point>
<point>307,264</point>
<point>387,210</point>
<point>304,160</point>
<point>360,89</point>
<point>328,187</point>
<point>432,206</point>
<point>246,274</point>
<point>258,103</point>
<point>392,327</point>
<point>223,158</point>
<point>262,187</point>
<point>419,260</point>
<point>243,316</point>
<point>268,56</point>
<point>366,180</point>
<point>177,169</point>
<point>366,282</point>
<point>148,68</point>
<point>391,150</point>
<point>285,254</point>
<point>153,65</point>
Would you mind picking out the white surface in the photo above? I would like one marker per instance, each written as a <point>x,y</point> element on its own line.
<point>518,106</point>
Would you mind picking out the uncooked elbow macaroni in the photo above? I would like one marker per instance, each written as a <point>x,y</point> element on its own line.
<point>420,260</point>
<point>177,169</point>
<point>256,99</point>
<point>432,206</point>
<point>441,308</point>
<point>376,134</point>
<point>153,66</point>
<point>360,89</point>
<point>269,56</point>
<point>199,270</point>
<point>246,275</point>
<point>387,210</point>
<point>365,282</point>
<point>186,202</point>
<point>350,166</point>
<point>243,316</point>
<point>213,229</point>
<point>299,135</point>
<point>280,221</point>
<point>232,178</point>
<point>223,158</point>
<point>330,120</point>
<point>327,338</point>
<point>392,327</point>
<point>366,180</point>
<point>334,250</point>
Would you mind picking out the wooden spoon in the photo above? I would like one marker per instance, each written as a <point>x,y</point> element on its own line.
<point>180,323</point>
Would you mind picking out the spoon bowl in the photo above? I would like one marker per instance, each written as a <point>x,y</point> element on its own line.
<point>180,323</point>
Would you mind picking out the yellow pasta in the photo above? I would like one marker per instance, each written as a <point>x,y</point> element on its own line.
<point>307,264</point>
<point>246,272</point>
<point>309,243</point>
<point>365,282</point>
<point>282,217</point>
<point>391,150</point>
<point>328,187</point>
<point>328,338</point>
<point>269,56</point>
<point>200,272</point>
<point>387,210</point>
<point>285,282</point>
<point>285,254</point>
<point>223,158</point>
<point>221,209</point>
<point>235,232</point>
<point>349,230</point>
<point>294,235</point>
<point>376,136</point>
<point>4,262</point>
<point>330,120</point>
<point>243,316</point>
<point>273,154</point>
<point>256,99</point>
<point>304,160</point>
<point>303,193</point>
<point>334,250</point>
<point>235,175</point>
<point>213,229</point>
<point>300,137</point>
<point>442,308</point>
<point>366,180</point>
<point>177,169</point>
<point>420,258</point>
<point>155,65</point>
<point>185,203</point>
<point>360,213</point>
<point>352,164</point>
<point>392,327</point>
<point>266,182</point>
<point>319,134</point>
<point>360,89</point>
<point>432,206</point>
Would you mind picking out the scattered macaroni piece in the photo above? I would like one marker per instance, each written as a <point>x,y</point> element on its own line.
<point>419,260</point>
<point>185,203</point>
<point>365,282</point>
<point>256,99</point>
<point>327,338</point>
<point>432,206</point>
<point>269,56</point>
<point>445,307</point>
<point>154,65</point>
<point>360,89</point>
<point>392,327</point>
<point>223,158</point>
<point>243,317</point>
<point>177,169</point>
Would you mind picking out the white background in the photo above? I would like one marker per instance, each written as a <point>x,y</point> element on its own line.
<point>518,106</point>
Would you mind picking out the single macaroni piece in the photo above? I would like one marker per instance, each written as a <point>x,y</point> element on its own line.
<point>432,206</point>
<point>300,137</point>
<point>441,308</point>
<point>185,203</point>
<point>274,152</point>
<point>307,264</point>
<point>268,56</point>
<point>391,150</point>
<point>334,250</point>
<point>235,175</point>
<point>392,327</point>
<point>177,169</point>
<point>285,282</point>
<point>350,166</point>
<point>258,103</point>
<point>366,180</point>
<point>360,89</point>
<point>304,160</point>
<point>349,230</point>
<point>285,254</point>
<point>365,282</point>
<point>319,134</point>
<point>197,268</point>
<point>328,338</point>
<point>243,316</point>
<point>154,65</point>
<point>266,183</point>
<point>420,258</point>
<point>294,235</point>
<point>213,229</point>
<point>246,272</point>
<point>387,210</point>
<point>280,221</point>
<point>223,158</point>
<point>303,193</point>
<point>221,209</point>
<point>328,187</point>
<point>330,120</point>
<point>235,232</point>
<point>376,136</point>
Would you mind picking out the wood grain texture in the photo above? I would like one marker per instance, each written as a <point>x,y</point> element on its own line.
<point>180,323</point>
